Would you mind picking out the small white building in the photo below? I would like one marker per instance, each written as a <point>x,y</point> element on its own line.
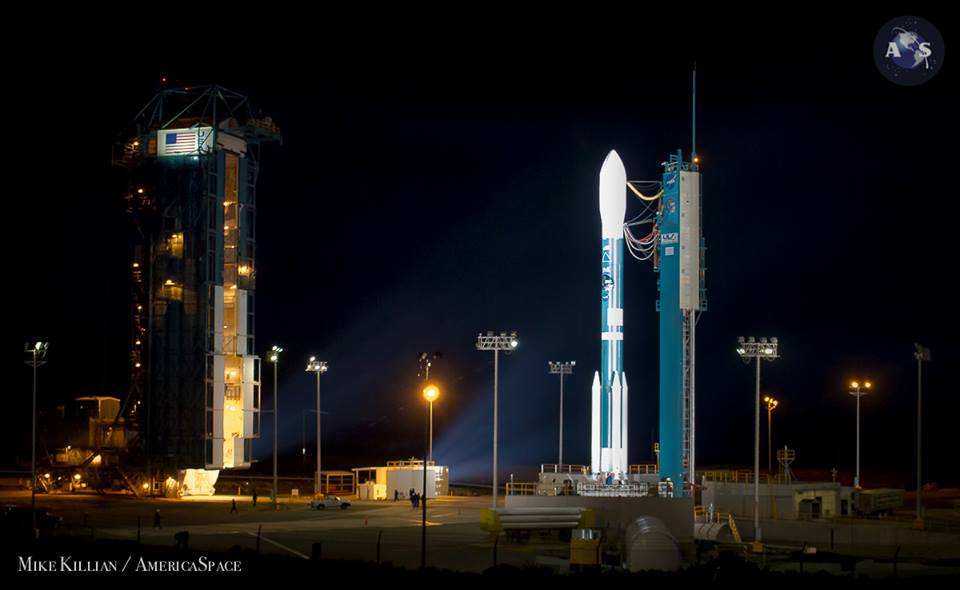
<point>380,483</point>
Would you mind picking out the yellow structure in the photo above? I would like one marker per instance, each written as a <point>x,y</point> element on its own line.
<point>585,548</point>
<point>495,520</point>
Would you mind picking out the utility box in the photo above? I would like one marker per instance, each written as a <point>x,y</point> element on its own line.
<point>490,521</point>
<point>584,548</point>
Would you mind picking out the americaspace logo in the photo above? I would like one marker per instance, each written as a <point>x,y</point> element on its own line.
<point>908,50</point>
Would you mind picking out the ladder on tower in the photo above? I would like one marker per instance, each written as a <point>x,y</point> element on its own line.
<point>686,395</point>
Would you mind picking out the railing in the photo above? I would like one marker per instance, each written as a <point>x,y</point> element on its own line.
<point>703,516</point>
<point>409,463</point>
<point>518,488</point>
<point>614,491</point>
<point>643,469</point>
<point>742,476</point>
<point>563,468</point>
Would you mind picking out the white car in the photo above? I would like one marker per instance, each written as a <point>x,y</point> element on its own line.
<point>330,502</point>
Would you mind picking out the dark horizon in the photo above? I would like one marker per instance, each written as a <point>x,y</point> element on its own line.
<point>414,204</point>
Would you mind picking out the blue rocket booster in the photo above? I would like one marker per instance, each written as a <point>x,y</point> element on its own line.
<point>609,393</point>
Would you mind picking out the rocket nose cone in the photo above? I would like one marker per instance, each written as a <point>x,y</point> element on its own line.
<point>613,157</point>
<point>613,195</point>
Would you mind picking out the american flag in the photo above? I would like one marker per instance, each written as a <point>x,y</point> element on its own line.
<point>179,142</point>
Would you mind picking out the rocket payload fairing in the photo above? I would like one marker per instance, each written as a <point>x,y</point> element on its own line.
<point>608,450</point>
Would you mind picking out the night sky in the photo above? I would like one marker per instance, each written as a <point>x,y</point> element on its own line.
<point>432,186</point>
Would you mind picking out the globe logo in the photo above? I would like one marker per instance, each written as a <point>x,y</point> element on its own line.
<point>908,50</point>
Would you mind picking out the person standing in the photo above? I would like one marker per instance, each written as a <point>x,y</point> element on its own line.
<point>254,497</point>
<point>233,507</point>
<point>156,519</point>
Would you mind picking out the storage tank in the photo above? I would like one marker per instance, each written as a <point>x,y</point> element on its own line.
<point>650,546</point>
<point>713,531</point>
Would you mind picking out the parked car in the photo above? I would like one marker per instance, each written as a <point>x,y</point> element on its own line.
<point>330,502</point>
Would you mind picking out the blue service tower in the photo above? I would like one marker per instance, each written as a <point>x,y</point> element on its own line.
<point>682,298</point>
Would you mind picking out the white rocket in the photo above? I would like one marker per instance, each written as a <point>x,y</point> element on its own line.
<point>608,450</point>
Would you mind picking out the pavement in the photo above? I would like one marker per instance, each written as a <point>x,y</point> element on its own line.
<point>364,531</point>
<point>454,538</point>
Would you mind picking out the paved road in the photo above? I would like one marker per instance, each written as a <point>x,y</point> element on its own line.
<point>454,538</point>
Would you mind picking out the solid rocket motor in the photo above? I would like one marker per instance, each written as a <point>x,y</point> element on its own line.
<point>609,396</point>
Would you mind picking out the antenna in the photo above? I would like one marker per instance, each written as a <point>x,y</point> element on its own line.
<point>693,150</point>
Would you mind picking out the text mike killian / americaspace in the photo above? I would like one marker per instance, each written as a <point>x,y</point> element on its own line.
<point>66,563</point>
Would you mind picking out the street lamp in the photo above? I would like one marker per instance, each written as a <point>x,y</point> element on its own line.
<point>771,404</point>
<point>561,369</point>
<point>36,354</point>
<point>274,357</point>
<point>762,349</point>
<point>426,361</point>
<point>430,393</point>
<point>507,343</point>
<point>922,354</point>
<point>858,390</point>
<point>318,368</point>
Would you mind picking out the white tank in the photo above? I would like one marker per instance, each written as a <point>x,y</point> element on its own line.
<point>712,531</point>
<point>650,546</point>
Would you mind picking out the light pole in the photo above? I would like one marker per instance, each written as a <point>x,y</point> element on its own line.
<point>561,369</point>
<point>771,404</point>
<point>858,390</point>
<point>507,343</point>
<point>318,368</point>
<point>274,357</point>
<point>430,393</point>
<point>922,354</point>
<point>426,361</point>
<point>751,348</point>
<point>37,353</point>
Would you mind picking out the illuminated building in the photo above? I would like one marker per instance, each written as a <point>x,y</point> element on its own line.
<point>191,160</point>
